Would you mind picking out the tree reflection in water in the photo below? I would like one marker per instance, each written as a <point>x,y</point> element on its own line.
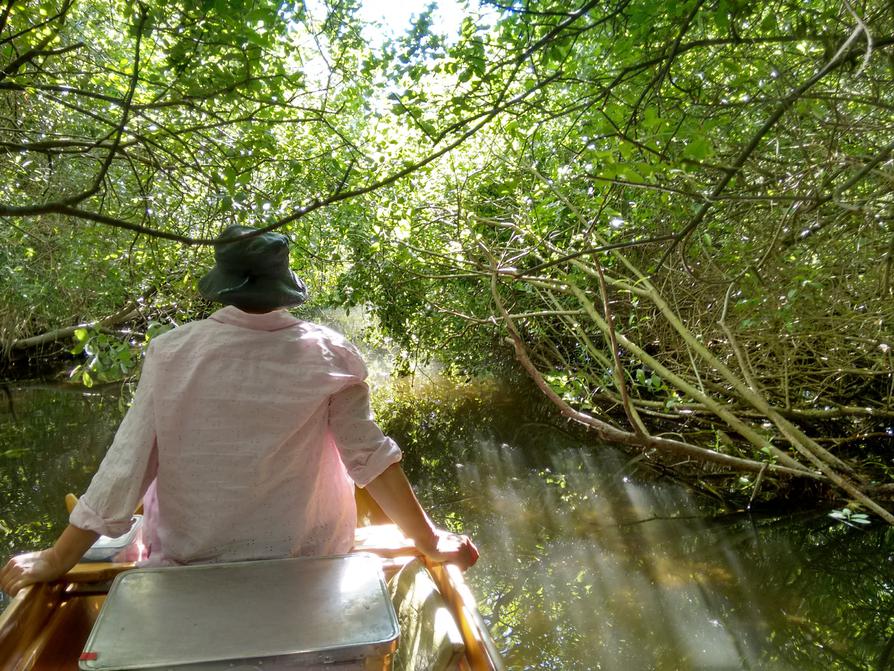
<point>50,444</point>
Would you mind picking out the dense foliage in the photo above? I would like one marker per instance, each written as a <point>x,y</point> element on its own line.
<point>678,215</point>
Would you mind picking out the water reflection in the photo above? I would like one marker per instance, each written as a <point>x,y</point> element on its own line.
<point>51,441</point>
<point>598,580</point>
<point>589,561</point>
<point>608,572</point>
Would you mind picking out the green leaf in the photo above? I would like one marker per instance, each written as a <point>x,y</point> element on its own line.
<point>651,120</point>
<point>626,172</point>
<point>15,452</point>
<point>698,149</point>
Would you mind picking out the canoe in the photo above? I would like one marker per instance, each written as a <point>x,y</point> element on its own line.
<point>46,626</point>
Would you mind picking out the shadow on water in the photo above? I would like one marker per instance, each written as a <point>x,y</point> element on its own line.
<point>589,561</point>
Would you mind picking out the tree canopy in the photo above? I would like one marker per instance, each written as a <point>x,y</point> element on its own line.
<point>676,216</point>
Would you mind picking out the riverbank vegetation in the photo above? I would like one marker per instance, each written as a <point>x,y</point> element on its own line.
<point>676,217</point>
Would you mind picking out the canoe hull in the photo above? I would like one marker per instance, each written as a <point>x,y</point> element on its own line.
<point>47,625</point>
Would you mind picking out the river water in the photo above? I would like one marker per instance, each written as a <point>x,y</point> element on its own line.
<point>588,559</point>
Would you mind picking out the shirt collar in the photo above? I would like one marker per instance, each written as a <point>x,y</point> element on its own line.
<point>269,321</point>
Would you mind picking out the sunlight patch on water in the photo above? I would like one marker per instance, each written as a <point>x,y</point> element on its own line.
<point>613,567</point>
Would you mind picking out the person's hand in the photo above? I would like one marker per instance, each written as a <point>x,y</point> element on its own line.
<point>451,548</point>
<point>30,568</point>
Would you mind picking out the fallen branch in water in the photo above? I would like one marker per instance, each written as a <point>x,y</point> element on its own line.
<point>615,435</point>
<point>127,313</point>
<point>611,433</point>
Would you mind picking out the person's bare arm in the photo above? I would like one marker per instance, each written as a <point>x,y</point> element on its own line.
<point>394,494</point>
<point>49,564</point>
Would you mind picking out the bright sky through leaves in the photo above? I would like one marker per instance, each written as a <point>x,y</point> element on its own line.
<point>396,17</point>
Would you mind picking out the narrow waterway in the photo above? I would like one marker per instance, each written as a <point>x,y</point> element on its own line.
<point>589,561</point>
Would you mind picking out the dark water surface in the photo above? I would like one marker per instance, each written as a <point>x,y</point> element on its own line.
<point>588,562</point>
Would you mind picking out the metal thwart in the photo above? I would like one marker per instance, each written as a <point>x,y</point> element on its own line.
<point>305,613</point>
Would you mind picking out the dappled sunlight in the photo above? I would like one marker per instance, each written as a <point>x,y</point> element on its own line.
<point>606,567</point>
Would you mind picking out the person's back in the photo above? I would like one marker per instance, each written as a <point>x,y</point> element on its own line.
<point>248,462</point>
<point>241,407</point>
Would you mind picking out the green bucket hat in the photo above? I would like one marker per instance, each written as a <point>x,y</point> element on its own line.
<point>253,274</point>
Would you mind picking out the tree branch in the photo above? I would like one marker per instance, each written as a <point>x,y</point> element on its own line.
<point>612,434</point>
<point>743,156</point>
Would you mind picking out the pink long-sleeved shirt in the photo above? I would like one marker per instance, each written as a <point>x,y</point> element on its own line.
<point>248,431</point>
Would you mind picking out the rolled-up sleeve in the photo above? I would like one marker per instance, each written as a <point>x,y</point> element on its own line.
<point>364,449</point>
<point>128,467</point>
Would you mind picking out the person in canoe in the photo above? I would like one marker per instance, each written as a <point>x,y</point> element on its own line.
<point>247,434</point>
